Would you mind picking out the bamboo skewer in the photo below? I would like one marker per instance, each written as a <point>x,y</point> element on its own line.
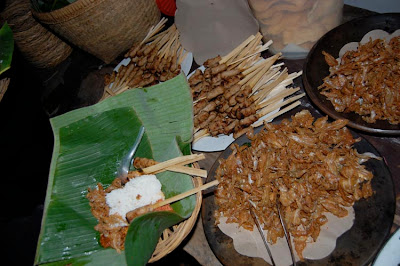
<point>175,165</point>
<point>175,161</point>
<point>154,30</point>
<point>280,95</point>
<point>262,49</point>
<point>278,104</point>
<point>271,74</point>
<point>269,86</point>
<point>185,194</point>
<point>148,208</point>
<point>187,170</point>
<point>271,117</point>
<point>199,134</point>
<point>247,49</point>
<point>236,50</point>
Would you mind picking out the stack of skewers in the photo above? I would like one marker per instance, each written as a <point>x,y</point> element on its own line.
<point>157,58</point>
<point>231,94</point>
<point>241,90</point>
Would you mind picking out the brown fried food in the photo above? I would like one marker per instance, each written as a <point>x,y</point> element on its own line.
<point>366,81</point>
<point>110,235</point>
<point>310,166</point>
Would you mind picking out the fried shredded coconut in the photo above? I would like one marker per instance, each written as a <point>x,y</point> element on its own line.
<point>113,228</point>
<point>366,81</point>
<point>309,166</point>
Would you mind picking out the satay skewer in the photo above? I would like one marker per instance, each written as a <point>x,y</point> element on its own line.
<point>271,117</point>
<point>148,208</point>
<point>278,104</point>
<point>260,50</point>
<point>278,96</point>
<point>154,30</point>
<point>265,89</point>
<point>269,75</point>
<point>175,161</point>
<point>249,48</point>
<point>236,50</point>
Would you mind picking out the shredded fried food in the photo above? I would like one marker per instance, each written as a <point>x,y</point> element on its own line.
<point>366,81</point>
<point>113,228</point>
<point>310,166</point>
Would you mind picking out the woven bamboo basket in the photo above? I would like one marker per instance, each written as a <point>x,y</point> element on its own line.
<point>172,237</point>
<point>37,44</point>
<point>103,28</point>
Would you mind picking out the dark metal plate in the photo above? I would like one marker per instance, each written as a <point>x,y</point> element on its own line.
<point>315,68</point>
<point>357,246</point>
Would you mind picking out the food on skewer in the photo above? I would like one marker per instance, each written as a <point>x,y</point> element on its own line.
<point>309,165</point>
<point>233,92</point>
<point>157,58</point>
<point>366,81</point>
<point>111,205</point>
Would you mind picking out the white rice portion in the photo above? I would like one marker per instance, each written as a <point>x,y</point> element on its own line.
<point>136,193</point>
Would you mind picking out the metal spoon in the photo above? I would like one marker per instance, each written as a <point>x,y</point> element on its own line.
<point>287,235</point>
<point>127,161</point>
<point>257,221</point>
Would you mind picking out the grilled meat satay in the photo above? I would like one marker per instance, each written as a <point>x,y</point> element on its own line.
<point>202,116</point>
<point>230,73</point>
<point>199,106</point>
<point>218,68</point>
<point>219,90</point>
<point>196,78</point>
<point>212,61</point>
<point>230,81</point>
<point>232,91</point>
<point>210,118</point>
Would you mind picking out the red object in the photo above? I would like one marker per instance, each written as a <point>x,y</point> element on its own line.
<point>167,7</point>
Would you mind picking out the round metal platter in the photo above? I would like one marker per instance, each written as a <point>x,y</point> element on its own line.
<point>357,246</point>
<point>315,68</point>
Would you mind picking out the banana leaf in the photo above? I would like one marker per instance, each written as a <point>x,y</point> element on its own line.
<point>6,47</point>
<point>88,146</point>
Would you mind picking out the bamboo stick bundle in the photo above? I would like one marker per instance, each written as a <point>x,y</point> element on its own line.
<point>157,58</point>
<point>230,96</point>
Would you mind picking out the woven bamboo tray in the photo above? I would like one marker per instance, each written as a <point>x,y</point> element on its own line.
<point>37,44</point>
<point>103,28</point>
<point>173,237</point>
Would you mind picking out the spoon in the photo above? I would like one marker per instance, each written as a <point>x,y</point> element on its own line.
<point>287,235</point>
<point>260,230</point>
<point>127,161</point>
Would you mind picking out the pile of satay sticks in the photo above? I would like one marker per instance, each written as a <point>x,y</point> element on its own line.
<point>233,93</point>
<point>157,58</point>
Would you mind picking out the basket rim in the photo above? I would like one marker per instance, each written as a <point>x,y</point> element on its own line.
<point>68,12</point>
<point>184,228</point>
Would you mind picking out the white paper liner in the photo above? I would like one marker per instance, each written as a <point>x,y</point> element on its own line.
<point>372,35</point>
<point>249,243</point>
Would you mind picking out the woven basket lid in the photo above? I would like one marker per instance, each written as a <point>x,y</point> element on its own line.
<point>167,7</point>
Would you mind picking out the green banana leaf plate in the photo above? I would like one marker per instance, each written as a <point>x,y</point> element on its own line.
<point>6,47</point>
<point>88,146</point>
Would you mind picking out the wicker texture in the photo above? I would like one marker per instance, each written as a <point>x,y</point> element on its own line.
<point>103,28</point>
<point>171,238</point>
<point>38,45</point>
